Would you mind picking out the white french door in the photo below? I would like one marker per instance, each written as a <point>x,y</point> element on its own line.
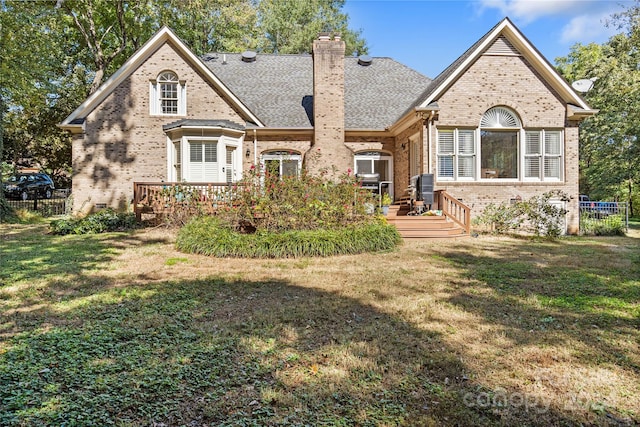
<point>230,168</point>
<point>205,160</point>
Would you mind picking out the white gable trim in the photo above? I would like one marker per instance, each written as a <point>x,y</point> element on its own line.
<point>161,37</point>
<point>527,50</point>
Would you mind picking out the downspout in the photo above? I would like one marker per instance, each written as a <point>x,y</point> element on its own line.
<point>429,124</point>
<point>255,148</point>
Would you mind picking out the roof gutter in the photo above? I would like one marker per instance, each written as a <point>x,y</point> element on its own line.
<point>414,115</point>
<point>577,113</point>
<point>286,131</point>
<point>74,129</point>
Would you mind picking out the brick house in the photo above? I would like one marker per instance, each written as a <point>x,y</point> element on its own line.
<point>497,124</point>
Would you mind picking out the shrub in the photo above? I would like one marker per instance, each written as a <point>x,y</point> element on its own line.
<point>269,202</point>
<point>613,225</point>
<point>267,215</point>
<point>211,236</point>
<point>6,212</point>
<point>501,218</point>
<point>535,216</point>
<point>101,222</point>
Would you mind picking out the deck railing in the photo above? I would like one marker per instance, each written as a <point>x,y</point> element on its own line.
<point>162,198</point>
<point>454,209</point>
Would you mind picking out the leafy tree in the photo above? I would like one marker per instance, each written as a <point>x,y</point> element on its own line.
<point>56,52</point>
<point>211,25</point>
<point>42,81</point>
<point>610,146</point>
<point>109,30</point>
<point>290,26</point>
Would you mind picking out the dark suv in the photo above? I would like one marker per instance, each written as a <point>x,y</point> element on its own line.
<point>28,185</point>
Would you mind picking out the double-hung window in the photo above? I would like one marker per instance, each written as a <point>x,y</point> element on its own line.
<point>167,95</point>
<point>543,155</point>
<point>282,163</point>
<point>456,154</point>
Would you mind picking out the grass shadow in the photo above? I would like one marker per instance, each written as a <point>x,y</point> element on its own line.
<point>94,349</point>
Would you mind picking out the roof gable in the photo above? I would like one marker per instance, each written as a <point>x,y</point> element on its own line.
<point>164,35</point>
<point>503,39</point>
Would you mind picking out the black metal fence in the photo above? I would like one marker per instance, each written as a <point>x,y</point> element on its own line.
<point>57,205</point>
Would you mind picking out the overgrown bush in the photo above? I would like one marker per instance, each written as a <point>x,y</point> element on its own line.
<point>211,236</point>
<point>501,219</point>
<point>7,213</point>
<point>101,222</point>
<point>270,202</point>
<point>535,216</point>
<point>613,225</point>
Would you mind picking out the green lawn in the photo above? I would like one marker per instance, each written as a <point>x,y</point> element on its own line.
<point>121,329</point>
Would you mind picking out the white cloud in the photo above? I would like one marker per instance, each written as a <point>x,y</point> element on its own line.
<point>526,11</point>
<point>584,19</point>
<point>587,27</point>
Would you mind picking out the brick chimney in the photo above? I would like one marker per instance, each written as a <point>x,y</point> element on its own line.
<point>328,151</point>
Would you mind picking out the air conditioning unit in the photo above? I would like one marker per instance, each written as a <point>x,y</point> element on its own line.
<point>422,188</point>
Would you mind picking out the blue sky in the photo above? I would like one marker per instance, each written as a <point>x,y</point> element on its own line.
<point>428,35</point>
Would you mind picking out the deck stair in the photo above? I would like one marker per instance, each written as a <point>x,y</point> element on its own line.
<point>422,226</point>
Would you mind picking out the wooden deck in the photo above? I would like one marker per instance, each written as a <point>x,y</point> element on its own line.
<point>424,226</point>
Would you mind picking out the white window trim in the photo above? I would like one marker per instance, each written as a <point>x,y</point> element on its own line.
<point>543,155</point>
<point>155,108</point>
<point>522,132</point>
<point>456,154</point>
<point>380,155</point>
<point>185,151</point>
<point>274,155</point>
<point>415,156</point>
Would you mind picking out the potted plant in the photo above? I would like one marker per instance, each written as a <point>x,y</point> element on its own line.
<point>385,201</point>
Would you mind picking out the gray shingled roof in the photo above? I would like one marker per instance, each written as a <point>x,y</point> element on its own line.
<point>278,89</point>
<point>203,123</point>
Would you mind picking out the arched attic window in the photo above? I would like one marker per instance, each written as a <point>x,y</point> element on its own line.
<point>168,95</point>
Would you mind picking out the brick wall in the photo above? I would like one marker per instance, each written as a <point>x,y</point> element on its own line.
<point>507,81</point>
<point>328,151</point>
<point>123,143</point>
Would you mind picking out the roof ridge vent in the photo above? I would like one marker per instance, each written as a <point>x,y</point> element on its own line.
<point>365,60</point>
<point>248,56</point>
